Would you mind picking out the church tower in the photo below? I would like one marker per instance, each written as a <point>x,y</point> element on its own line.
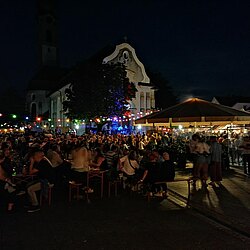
<point>47,33</point>
<point>48,73</point>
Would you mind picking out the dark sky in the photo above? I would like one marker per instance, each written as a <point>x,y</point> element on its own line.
<point>201,47</point>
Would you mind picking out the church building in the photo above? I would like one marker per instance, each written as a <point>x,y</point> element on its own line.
<point>48,73</point>
<point>142,104</point>
<point>46,90</point>
<point>144,100</point>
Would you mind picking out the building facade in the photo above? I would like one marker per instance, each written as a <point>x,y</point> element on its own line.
<point>48,72</point>
<point>46,90</point>
<point>58,118</point>
<point>144,101</point>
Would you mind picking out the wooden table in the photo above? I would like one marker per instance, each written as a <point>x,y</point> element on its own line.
<point>96,173</point>
<point>20,179</point>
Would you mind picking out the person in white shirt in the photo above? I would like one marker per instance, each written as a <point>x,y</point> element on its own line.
<point>80,159</point>
<point>128,163</point>
<point>54,157</point>
<point>202,161</point>
<point>80,165</point>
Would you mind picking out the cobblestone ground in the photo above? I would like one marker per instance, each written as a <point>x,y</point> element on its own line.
<point>229,203</point>
<point>124,222</point>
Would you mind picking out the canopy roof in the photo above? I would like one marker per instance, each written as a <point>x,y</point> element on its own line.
<point>195,110</point>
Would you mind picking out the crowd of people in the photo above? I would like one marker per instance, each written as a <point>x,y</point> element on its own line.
<point>140,160</point>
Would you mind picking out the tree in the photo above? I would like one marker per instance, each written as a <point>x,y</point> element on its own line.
<point>96,89</point>
<point>164,96</point>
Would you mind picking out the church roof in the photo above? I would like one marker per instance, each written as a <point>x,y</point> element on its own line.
<point>76,72</point>
<point>47,78</point>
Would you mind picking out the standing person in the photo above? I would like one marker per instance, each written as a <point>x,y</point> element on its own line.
<point>215,166</point>
<point>237,143</point>
<point>192,146</point>
<point>245,147</point>
<point>40,166</point>
<point>192,153</point>
<point>201,168</point>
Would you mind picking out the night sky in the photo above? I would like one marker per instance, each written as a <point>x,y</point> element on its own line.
<point>201,47</point>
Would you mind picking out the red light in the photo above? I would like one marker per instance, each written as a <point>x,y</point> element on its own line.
<point>38,119</point>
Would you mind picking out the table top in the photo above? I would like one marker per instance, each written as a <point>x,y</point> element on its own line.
<point>96,170</point>
<point>23,175</point>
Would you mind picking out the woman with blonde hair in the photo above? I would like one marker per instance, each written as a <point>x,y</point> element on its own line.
<point>80,164</point>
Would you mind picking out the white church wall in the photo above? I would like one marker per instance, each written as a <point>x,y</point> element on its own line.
<point>124,53</point>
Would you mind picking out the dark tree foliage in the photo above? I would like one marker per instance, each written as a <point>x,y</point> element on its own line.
<point>164,96</point>
<point>96,89</point>
<point>130,91</point>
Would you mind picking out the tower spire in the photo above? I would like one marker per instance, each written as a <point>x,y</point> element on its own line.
<point>47,33</point>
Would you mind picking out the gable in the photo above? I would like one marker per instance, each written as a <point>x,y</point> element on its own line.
<point>125,54</point>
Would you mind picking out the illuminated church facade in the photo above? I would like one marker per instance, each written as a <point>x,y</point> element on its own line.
<point>46,90</point>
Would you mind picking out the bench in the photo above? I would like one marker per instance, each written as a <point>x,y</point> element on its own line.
<point>187,180</point>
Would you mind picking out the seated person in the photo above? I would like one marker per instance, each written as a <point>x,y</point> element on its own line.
<point>80,165</point>
<point>99,161</point>
<point>167,171</point>
<point>6,162</point>
<point>112,157</point>
<point>7,190</point>
<point>151,174</point>
<point>128,165</point>
<point>40,166</point>
<point>54,157</point>
<point>158,172</point>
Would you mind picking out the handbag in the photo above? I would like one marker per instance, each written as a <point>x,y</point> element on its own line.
<point>138,171</point>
